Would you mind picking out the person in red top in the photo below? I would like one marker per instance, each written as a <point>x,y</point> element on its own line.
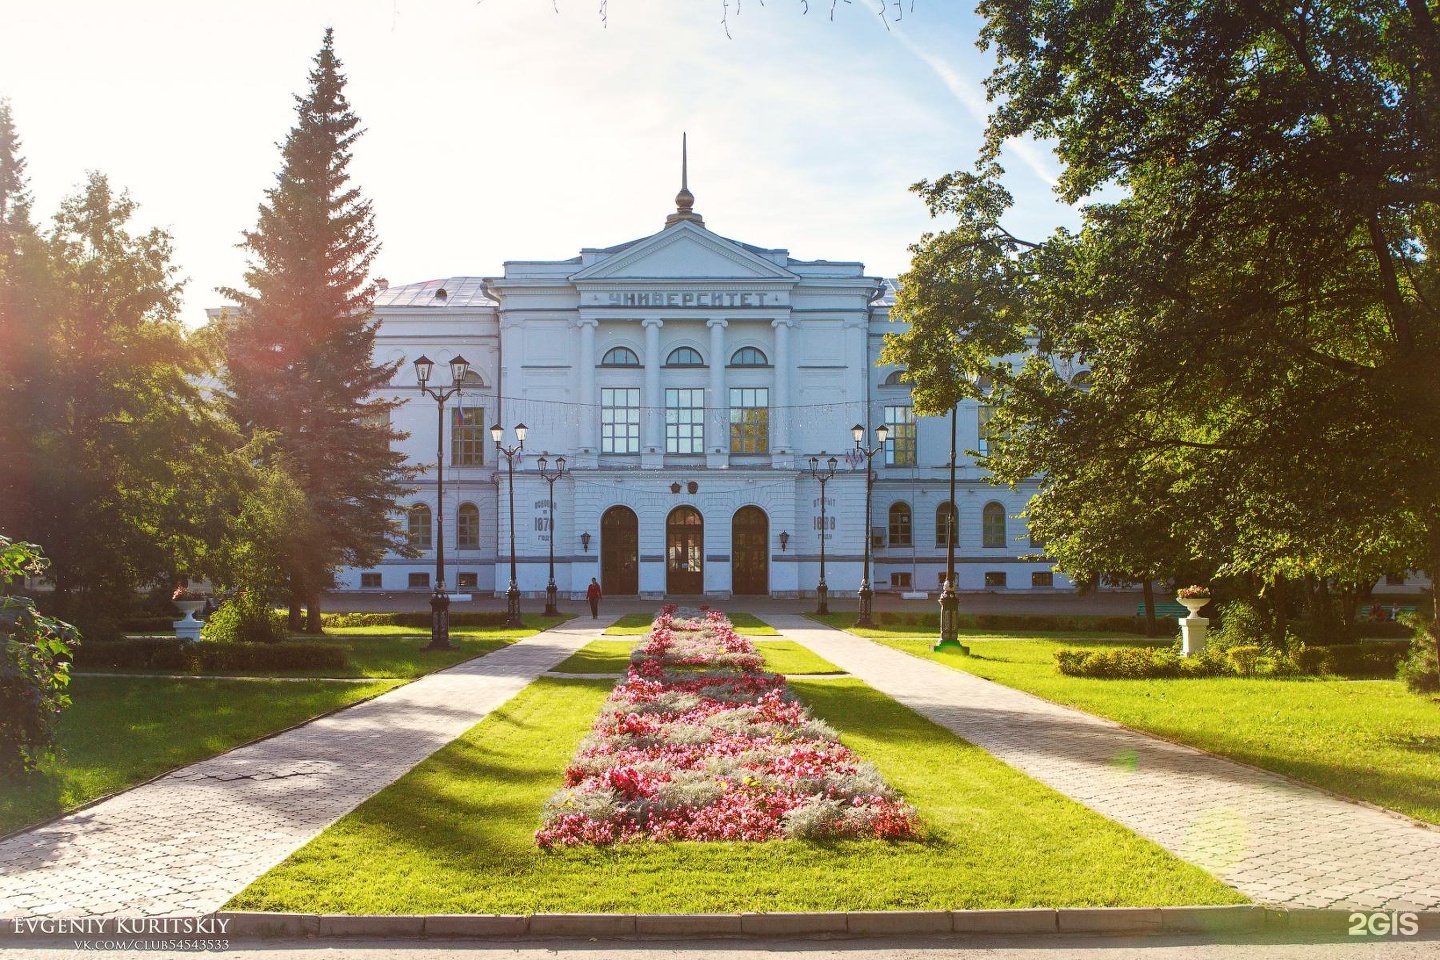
<point>592,593</point>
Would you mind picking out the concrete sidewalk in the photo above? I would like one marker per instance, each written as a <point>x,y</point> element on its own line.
<point>1277,841</point>
<point>188,842</point>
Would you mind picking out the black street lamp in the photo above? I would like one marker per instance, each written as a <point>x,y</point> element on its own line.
<point>512,596</point>
<point>550,478</point>
<point>882,432</point>
<point>822,591</point>
<point>440,600</point>
<point>949,599</point>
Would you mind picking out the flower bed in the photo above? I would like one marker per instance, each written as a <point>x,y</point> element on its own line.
<point>698,743</point>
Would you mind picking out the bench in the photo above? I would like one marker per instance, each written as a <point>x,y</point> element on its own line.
<point>1164,608</point>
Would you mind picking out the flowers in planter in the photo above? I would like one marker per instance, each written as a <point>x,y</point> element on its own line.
<point>1195,592</point>
<point>699,743</point>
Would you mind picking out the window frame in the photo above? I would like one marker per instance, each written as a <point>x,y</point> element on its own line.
<point>413,535</point>
<point>686,431</point>
<point>630,425</point>
<point>468,440</point>
<point>940,526</point>
<point>605,360</point>
<point>736,362</point>
<point>686,365</point>
<point>901,448</point>
<point>750,421</point>
<point>899,509</point>
<point>988,539</point>
<point>461,526</point>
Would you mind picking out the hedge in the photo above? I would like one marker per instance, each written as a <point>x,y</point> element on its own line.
<point>1142,663</point>
<point>149,624</point>
<point>169,653</point>
<point>417,620</point>
<point>1019,621</point>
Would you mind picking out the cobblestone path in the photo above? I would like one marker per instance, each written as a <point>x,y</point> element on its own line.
<point>188,842</point>
<point>1276,841</point>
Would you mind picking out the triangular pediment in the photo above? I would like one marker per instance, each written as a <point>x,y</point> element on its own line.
<point>684,252</point>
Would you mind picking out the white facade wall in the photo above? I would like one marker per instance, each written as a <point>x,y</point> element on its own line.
<point>535,337</point>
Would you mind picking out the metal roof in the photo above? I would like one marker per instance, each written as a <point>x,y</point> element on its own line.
<point>453,292</point>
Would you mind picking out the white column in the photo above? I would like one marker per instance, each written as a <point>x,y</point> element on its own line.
<point>717,446</point>
<point>780,416</point>
<point>652,446</point>
<point>589,415</point>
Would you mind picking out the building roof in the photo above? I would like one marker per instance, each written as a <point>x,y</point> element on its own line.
<point>453,292</point>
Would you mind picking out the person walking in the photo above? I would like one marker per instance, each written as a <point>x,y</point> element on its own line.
<point>592,593</point>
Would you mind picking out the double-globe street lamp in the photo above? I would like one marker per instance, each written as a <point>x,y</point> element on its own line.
<point>882,433</point>
<point>822,591</point>
<point>440,600</point>
<point>550,477</point>
<point>512,596</point>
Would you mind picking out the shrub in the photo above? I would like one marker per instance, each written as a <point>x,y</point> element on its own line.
<point>419,620</point>
<point>33,670</point>
<point>1137,663</point>
<point>1242,624</point>
<point>148,624</point>
<point>1418,670</point>
<point>1243,659</point>
<point>245,619</point>
<point>1376,659</point>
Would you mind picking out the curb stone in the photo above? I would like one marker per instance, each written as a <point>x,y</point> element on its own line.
<point>1243,918</point>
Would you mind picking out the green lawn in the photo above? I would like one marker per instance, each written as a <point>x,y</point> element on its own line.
<point>455,835</point>
<point>1368,739</point>
<point>638,624</point>
<point>613,656</point>
<point>122,731</point>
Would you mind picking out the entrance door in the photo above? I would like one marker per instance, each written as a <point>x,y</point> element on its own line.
<point>685,552</point>
<point>750,552</point>
<point>619,552</point>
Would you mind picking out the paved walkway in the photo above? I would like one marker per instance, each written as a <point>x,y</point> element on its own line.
<point>190,841</point>
<point>1274,840</point>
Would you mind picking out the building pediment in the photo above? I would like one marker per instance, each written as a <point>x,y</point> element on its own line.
<point>683,251</point>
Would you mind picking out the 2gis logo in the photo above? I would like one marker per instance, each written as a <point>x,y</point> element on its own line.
<point>1381,924</point>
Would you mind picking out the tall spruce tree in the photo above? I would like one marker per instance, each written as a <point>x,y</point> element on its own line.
<point>299,349</point>
<point>18,333</point>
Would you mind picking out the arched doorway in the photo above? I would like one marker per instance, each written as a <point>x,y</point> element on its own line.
<point>619,552</point>
<point>750,552</point>
<point>685,552</point>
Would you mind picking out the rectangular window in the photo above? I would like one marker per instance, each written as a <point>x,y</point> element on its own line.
<point>1042,578</point>
<point>986,414</point>
<point>995,579</point>
<point>901,580</point>
<point>419,581</point>
<point>468,437</point>
<point>369,581</point>
<point>684,420</point>
<point>620,420</point>
<point>749,420</point>
<point>900,445</point>
<point>467,581</point>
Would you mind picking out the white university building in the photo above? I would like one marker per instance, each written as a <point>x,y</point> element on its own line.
<point>687,379</point>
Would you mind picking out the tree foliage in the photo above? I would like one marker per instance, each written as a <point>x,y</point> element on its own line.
<point>299,349</point>
<point>1252,290</point>
<point>33,670</point>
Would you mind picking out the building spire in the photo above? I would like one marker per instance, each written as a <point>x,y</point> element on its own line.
<point>684,200</point>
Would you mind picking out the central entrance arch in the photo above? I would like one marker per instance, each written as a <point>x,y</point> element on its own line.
<point>750,553</point>
<point>619,552</point>
<point>685,551</point>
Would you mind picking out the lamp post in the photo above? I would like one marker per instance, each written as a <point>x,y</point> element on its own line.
<point>440,600</point>
<point>822,591</point>
<point>512,596</point>
<point>550,478</point>
<point>882,432</point>
<point>949,599</point>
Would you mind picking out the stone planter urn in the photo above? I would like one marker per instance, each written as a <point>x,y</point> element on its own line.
<point>188,628</point>
<point>1193,627</point>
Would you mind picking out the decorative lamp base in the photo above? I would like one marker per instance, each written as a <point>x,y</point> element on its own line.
<point>950,621</point>
<point>550,609</point>
<point>439,623</point>
<point>512,606</point>
<point>867,596</point>
<point>822,599</point>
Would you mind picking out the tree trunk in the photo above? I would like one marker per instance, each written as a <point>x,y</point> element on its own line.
<point>1281,606</point>
<point>312,614</point>
<point>294,620</point>
<point>1149,590</point>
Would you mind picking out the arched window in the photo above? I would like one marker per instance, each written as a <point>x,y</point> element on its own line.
<point>894,379</point>
<point>946,521</point>
<point>1081,381</point>
<point>472,379</point>
<point>684,357</point>
<point>992,525</point>
<point>749,357</point>
<point>900,524</point>
<point>620,357</point>
<point>419,527</point>
<point>467,527</point>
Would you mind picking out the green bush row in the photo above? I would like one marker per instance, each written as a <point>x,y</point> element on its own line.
<point>416,619</point>
<point>148,624</point>
<point>1143,663</point>
<point>168,653</point>
<point>1018,621</point>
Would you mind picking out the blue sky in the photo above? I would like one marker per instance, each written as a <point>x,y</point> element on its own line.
<point>507,130</point>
